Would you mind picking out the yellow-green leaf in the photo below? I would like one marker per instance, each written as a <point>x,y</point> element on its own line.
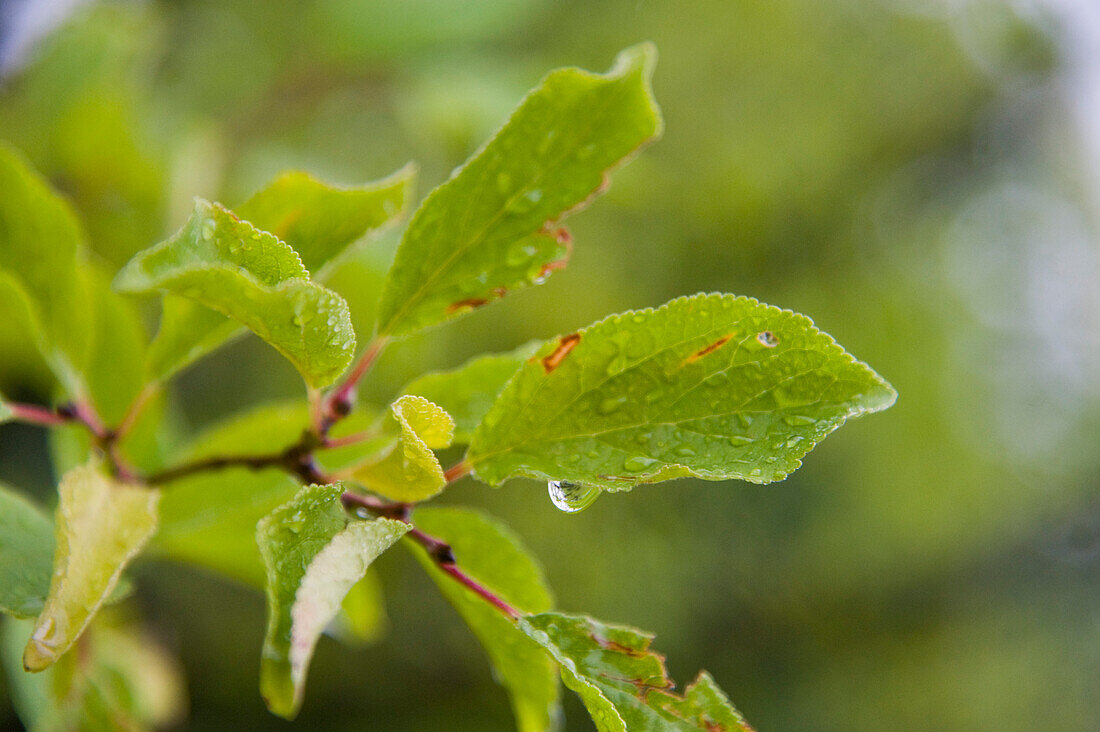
<point>411,471</point>
<point>101,525</point>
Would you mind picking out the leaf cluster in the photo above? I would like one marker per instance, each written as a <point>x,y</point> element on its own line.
<point>301,498</point>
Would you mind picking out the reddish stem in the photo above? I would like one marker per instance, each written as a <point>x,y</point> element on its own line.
<point>456,471</point>
<point>484,592</point>
<point>37,415</point>
<point>338,403</point>
<point>346,440</point>
<point>439,550</point>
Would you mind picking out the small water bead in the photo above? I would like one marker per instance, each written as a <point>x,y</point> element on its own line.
<point>572,497</point>
<point>611,405</point>
<point>208,229</point>
<point>799,420</point>
<point>685,451</point>
<point>767,339</point>
<point>520,253</point>
<point>740,440</point>
<point>793,442</point>
<point>638,463</point>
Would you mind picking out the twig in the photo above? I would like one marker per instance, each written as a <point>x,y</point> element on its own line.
<point>136,408</point>
<point>440,551</point>
<point>44,416</point>
<point>340,402</point>
<point>456,471</point>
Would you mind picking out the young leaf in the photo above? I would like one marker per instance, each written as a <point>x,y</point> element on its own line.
<point>321,221</point>
<point>317,220</point>
<point>493,226</point>
<point>39,243</point>
<point>494,556</point>
<point>411,471</point>
<point>469,391</point>
<point>314,553</point>
<point>26,555</point>
<point>228,265</point>
<point>101,525</point>
<point>622,683</point>
<point>711,386</point>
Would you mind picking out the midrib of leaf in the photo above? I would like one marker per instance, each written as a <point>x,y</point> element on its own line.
<point>650,422</point>
<point>523,191</point>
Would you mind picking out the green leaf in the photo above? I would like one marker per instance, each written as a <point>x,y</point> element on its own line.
<point>411,471</point>
<point>493,226</point>
<point>210,520</point>
<point>711,386</point>
<point>188,331</point>
<point>623,684</point>
<point>314,553</point>
<point>228,265</point>
<point>5,411</point>
<point>469,391</point>
<point>321,221</point>
<point>494,556</point>
<point>101,525</point>
<point>39,243</point>
<point>26,555</point>
<point>114,368</point>
<point>317,220</point>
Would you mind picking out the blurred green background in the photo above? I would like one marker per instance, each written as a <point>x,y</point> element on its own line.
<point>921,178</point>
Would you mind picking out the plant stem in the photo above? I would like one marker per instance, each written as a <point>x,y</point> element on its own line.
<point>456,471</point>
<point>439,550</point>
<point>34,414</point>
<point>136,408</point>
<point>340,401</point>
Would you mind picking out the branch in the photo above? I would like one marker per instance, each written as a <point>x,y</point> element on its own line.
<point>440,551</point>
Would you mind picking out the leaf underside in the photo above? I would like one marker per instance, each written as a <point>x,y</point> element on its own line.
<point>492,227</point>
<point>101,525</point>
<point>711,386</point>
<point>26,555</point>
<point>314,554</point>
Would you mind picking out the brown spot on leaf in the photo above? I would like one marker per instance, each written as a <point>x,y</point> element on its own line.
<point>469,303</point>
<point>565,345</point>
<point>709,349</point>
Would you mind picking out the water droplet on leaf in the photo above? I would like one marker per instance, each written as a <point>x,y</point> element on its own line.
<point>208,229</point>
<point>767,339</point>
<point>611,404</point>
<point>740,440</point>
<point>799,420</point>
<point>572,497</point>
<point>637,463</point>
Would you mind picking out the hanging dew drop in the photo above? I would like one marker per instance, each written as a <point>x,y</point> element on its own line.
<point>572,497</point>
